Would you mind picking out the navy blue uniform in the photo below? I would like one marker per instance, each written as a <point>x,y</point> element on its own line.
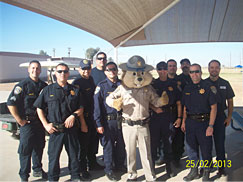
<point>184,80</point>
<point>161,125</point>
<point>32,135</point>
<point>105,116</point>
<point>198,99</point>
<point>224,92</point>
<point>98,75</point>
<point>88,141</point>
<point>61,102</point>
<point>178,141</point>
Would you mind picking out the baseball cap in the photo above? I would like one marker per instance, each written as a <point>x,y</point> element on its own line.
<point>185,60</point>
<point>162,66</point>
<point>84,63</point>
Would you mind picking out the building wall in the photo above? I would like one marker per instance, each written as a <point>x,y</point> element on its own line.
<point>10,70</point>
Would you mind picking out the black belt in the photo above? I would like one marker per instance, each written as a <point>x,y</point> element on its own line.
<point>172,108</point>
<point>112,116</point>
<point>138,122</point>
<point>199,117</point>
<point>32,118</point>
<point>59,126</point>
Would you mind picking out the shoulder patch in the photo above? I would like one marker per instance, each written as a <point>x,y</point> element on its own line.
<point>17,90</point>
<point>97,90</point>
<point>213,89</point>
<point>13,98</point>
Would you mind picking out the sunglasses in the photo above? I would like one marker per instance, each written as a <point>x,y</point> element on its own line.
<point>62,71</point>
<point>111,69</point>
<point>86,68</point>
<point>159,69</point>
<point>196,71</point>
<point>101,59</point>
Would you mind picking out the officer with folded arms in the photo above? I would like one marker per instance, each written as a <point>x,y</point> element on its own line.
<point>63,103</point>
<point>32,134</point>
<point>107,120</point>
<point>200,109</point>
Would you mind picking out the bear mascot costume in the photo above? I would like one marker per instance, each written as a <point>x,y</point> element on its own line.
<point>134,96</point>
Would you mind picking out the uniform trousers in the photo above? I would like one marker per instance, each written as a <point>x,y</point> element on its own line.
<point>69,139</point>
<point>113,146</point>
<point>161,127</point>
<point>178,144</point>
<point>195,137</point>
<point>32,143</point>
<point>88,145</point>
<point>219,136</point>
<point>133,136</point>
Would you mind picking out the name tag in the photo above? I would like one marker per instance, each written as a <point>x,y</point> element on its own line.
<point>222,87</point>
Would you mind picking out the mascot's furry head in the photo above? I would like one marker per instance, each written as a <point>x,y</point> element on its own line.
<point>136,73</point>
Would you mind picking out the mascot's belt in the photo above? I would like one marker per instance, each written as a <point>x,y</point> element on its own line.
<point>138,122</point>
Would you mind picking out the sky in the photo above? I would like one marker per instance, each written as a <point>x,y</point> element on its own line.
<point>25,31</point>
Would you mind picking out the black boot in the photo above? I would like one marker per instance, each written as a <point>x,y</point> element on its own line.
<point>206,173</point>
<point>193,174</point>
<point>221,172</point>
<point>169,171</point>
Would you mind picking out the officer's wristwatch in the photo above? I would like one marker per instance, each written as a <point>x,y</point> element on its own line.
<point>211,125</point>
<point>75,115</point>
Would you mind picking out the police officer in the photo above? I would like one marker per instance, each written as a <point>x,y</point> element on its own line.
<point>32,133</point>
<point>225,94</point>
<point>98,72</point>
<point>178,142</point>
<point>172,69</point>
<point>184,77</point>
<point>107,120</point>
<point>164,119</point>
<point>88,141</point>
<point>200,108</point>
<point>63,104</point>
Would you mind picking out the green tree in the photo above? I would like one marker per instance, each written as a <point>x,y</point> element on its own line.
<point>110,59</point>
<point>43,53</point>
<point>90,52</point>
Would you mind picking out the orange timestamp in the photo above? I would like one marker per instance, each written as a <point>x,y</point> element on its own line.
<point>209,164</point>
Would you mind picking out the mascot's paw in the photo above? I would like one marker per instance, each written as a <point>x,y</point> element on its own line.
<point>117,104</point>
<point>164,99</point>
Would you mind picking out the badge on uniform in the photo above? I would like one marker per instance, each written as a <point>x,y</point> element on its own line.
<point>17,90</point>
<point>87,89</point>
<point>31,94</point>
<point>187,93</point>
<point>51,95</point>
<point>201,91</point>
<point>97,90</point>
<point>170,89</point>
<point>213,89</point>
<point>72,92</point>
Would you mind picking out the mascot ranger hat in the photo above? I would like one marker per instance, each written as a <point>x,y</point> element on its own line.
<point>136,63</point>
